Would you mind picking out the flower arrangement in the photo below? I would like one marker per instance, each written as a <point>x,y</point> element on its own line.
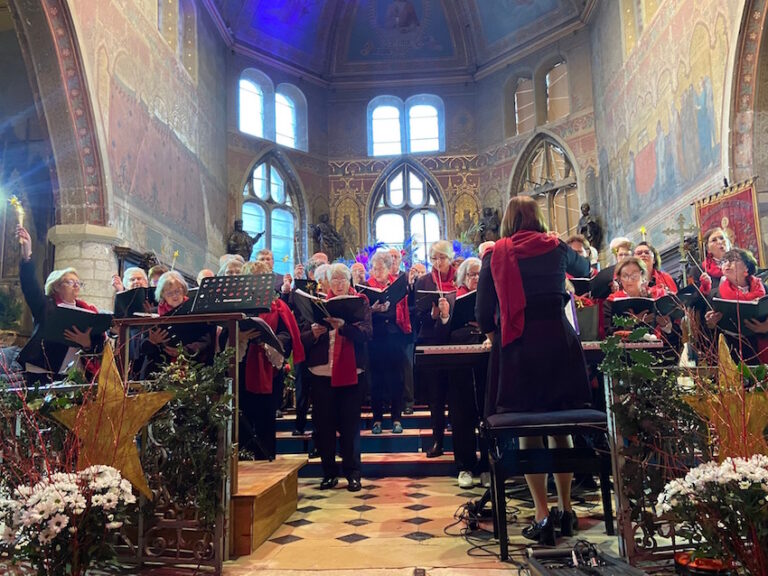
<point>61,524</point>
<point>723,506</point>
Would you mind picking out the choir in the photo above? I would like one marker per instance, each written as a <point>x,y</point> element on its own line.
<point>509,302</point>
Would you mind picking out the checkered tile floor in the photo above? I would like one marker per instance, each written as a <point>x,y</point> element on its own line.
<point>397,524</point>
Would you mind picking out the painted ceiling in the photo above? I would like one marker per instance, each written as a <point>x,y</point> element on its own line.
<point>336,39</point>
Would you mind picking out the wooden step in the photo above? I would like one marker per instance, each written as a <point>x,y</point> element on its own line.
<point>410,441</point>
<point>383,465</point>
<point>266,497</point>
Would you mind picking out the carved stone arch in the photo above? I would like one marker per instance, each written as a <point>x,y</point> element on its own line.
<point>520,164</point>
<point>379,187</point>
<point>295,190</point>
<point>47,35</point>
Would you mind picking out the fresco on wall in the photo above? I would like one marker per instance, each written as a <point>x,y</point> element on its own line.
<point>395,29</point>
<point>503,18</point>
<point>295,22</point>
<point>660,124</point>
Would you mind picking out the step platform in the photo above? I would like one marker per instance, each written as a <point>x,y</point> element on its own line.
<point>267,494</point>
<point>384,465</point>
<point>411,440</point>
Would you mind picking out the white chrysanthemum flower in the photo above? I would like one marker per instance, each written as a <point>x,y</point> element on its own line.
<point>97,500</point>
<point>114,525</point>
<point>7,535</point>
<point>58,523</point>
<point>45,536</point>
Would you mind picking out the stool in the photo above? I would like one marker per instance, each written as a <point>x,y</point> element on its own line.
<point>503,431</point>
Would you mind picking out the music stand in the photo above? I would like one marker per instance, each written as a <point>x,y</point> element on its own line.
<point>244,293</point>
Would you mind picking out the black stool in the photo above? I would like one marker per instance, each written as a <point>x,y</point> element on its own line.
<point>503,431</point>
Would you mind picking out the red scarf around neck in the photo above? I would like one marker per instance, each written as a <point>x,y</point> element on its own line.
<point>505,271</point>
<point>712,268</point>
<point>731,292</point>
<point>402,316</point>
<point>259,372</point>
<point>79,303</point>
<point>664,281</point>
<point>164,308</point>
<point>445,282</point>
<point>344,371</point>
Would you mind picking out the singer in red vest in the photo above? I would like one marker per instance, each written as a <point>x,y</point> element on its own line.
<point>336,358</point>
<point>537,364</point>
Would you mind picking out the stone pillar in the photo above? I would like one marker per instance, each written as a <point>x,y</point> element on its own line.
<point>88,249</point>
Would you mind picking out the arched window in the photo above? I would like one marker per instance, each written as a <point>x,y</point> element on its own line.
<point>269,207</point>
<point>291,117</point>
<point>546,173</point>
<point>525,109</point>
<point>256,104</point>
<point>385,130</point>
<point>407,204</point>
<point>426,123</point>
<point>558,99</point>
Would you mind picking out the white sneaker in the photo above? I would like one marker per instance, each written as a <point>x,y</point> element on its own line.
<point>465,479</point>
<point>485,479</point>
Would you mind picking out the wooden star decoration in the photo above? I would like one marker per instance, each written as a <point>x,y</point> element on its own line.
<point>738,416</point>
<point>107,425</point>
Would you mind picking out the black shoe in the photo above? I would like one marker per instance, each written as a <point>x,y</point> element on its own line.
<point>329,483</point>
<point>565,523</point>
<point>313,453</point>
<point>353,484</point>
<point>278,414</point>
<point>542,532</point>
<point>408,410</point>
<point>435,451</point>
<point>297,433</point>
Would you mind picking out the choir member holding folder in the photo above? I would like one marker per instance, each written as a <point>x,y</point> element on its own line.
<point>656,278</point>
<point>391,329</point>
<point>335,357</point>
<point>434,294</point>
<point>52,347</point>
<point>537,364</point>
<point>715,243</point>
<point>632,279</point>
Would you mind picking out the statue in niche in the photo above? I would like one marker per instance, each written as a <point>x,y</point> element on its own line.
<point>589,228</point>
<point>240,242</point>
<point>489,225</point>
<point>349,234</point>
<point>464,226</point>
<point>326,238</point>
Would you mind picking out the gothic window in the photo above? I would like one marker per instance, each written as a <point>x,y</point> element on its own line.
<point>547,174</point>
<point>291,117</point>
<point>525,109</point>
<point>407,205</point>
<point>256,103</point>
<point>413,127</point>
<point>558,98</point>
<point>269,207</point>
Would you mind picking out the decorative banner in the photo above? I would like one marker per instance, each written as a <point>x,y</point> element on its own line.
<point>734,209</point>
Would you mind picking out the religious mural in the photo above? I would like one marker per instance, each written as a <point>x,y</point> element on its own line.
<point>661,133</point>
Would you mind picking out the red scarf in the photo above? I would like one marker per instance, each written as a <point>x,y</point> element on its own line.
<point>164,308</point>
<point>730,292</point>
<point>78,303</point>
<point>402,316</point>
<point>462,290</point>
<point>259,372</point>
<point>505,271</point>
<point>712,268</point>
<point>446,282</point>
<point>344,371</point>
<point>664,280</point>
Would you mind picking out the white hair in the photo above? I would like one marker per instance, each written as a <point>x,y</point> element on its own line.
<point>382,256</point>
<point>484,246</point>
<point>616,242</point>
<point>464,269</point>
<point>321,272</point>
<point>442,247</point>
<point>129,272</point>
<point>229,257</point>
<point>170,277</point>
<point>54,279</point>
<point>339,268</point>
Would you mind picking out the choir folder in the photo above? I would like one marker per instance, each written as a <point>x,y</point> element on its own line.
<point>463,310</point>
<point>735,312</point>
<point>426,298</point>
<point>392,293</point>
<point>348,307</point>
<point>63,318</point>
<point>664,306</point>
<point>130,302</point>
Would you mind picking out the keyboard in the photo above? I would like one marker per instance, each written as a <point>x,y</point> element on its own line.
<point>451,349</point>
<point>595,345</point>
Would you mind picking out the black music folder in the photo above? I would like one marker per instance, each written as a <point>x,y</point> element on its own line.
<point>188,305</point>
<point>305,285</point>
<point>392,293</point>
<point>581,286</point>
<point>463,310</point>
<point>426,298</point>
<point>348,307</point>
<point>665,306</point>
<point>735,312</point>
<point>601,283</point>
<point>691,297</point>
<point>130,302</point>
<point>63,318</point>
<point>265,333</point>
<point>243,293</point>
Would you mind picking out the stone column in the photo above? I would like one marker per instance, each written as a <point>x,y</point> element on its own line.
<point>88,249</point>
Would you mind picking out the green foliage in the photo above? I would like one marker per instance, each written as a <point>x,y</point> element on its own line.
<point>185,455</point>
<point>663,435</point>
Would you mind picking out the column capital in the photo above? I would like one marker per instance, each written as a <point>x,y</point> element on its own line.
<point>69,233</point>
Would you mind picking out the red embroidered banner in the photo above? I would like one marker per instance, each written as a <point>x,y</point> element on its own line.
<point>735,211</point>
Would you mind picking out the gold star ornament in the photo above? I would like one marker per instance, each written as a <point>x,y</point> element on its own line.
<point>107,425</point>
<point>738,416</point>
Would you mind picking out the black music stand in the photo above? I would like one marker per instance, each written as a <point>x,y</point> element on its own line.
<point>244,293</point>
